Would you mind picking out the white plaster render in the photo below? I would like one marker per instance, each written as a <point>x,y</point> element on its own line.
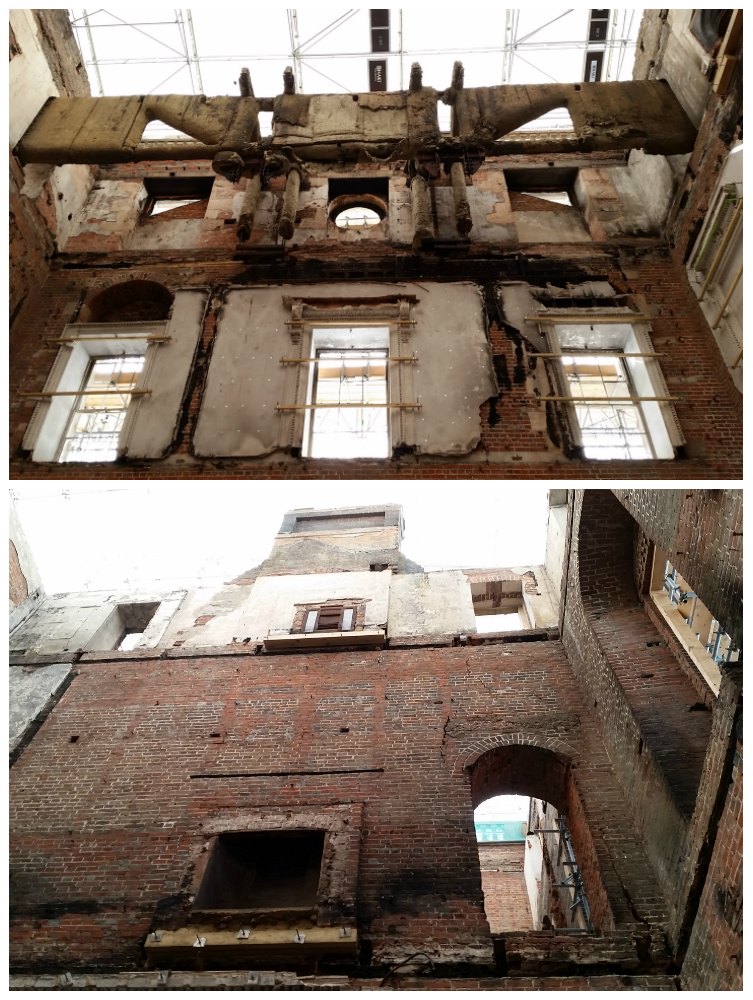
<point>541,608</point>
<point>30,84</point>
<point>551,227</point>
<point>69,622</point>
<point>152,420</point>
<point>29,691</point>
<point>246,381</point>
<point>250,613</point>
<point>555,550</point>
<point>431,604</point>
<point>683,64</point>
<point>272,604</point>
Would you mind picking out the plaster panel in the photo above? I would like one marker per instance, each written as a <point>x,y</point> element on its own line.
<point>155,417</point>
<point>70,622</point>
<point>318,552</point>
<point>542,606</point>
<point>29,691</point>
<point>682,65</point>
<point>551,227</point>
<point>431,604</point>
<point>556,530</point>
<point>246,381</point>
<point>271,607</point>
<point>246,614</point>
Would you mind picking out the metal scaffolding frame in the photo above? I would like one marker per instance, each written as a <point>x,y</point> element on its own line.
<point>515,50</point>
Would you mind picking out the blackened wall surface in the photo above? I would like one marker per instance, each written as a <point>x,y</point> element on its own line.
<point>109,822</point>
<point>520,437</point>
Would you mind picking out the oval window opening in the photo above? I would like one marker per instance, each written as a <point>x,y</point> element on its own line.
<point>357,217</point>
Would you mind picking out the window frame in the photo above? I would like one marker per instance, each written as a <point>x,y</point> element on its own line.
<point>623,335</point>
<point>315,321</point>
<point>670,592</point>
<point>82,343</point>
<point>347,615</point>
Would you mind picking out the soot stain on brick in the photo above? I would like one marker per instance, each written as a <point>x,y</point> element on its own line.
<point>417,891</point>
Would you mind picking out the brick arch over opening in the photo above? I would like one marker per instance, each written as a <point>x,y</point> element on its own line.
<point>520,769</point>
<point>514,767</point>
<point>129,301</point>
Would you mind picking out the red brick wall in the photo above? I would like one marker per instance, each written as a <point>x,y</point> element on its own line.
<point>18,588</point>
<point>715,955</point>
<point>511,446</point>
<point>640,697</point>
<point>702,531</point>
<point>668,746</point>
<point>107,828</point>
<point>505,895</point>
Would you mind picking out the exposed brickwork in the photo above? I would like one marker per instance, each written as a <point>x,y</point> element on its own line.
<point>702,532</point>
<point>715,955</point>
<point>668,746</point>
<point>505,896</point>
<point>18,588</point>
<point>144,727</point>
<point>188,981</point>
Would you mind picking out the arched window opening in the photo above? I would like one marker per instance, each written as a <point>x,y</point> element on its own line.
<point>532,879</point>
<point>529,872</point>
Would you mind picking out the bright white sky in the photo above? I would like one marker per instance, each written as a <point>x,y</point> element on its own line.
<point>97,536</point>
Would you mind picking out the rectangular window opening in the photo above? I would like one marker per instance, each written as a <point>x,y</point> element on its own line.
<point>270,870</point>
<point>93,431</point>
<point>186,197</point>
<point>505,622</point>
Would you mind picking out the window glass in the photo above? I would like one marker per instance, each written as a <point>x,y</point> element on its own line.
<point>93,431</point>
<point>613,428</point>
<point>349,404</point>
